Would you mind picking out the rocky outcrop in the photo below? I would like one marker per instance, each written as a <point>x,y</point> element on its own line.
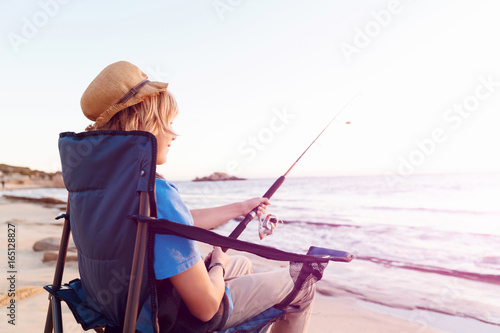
<point>15,176</point>
<point>217,176</point>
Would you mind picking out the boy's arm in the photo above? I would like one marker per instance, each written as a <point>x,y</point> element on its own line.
<point>209,218</point>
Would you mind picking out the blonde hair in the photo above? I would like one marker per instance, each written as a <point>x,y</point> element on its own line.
<point>153,115</point>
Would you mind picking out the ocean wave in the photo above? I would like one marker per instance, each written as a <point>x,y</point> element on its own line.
<point>324,224</point>
<point>42,200</point>
<point>430,210</point>
<point>475,276</point>
<point>60,194</point>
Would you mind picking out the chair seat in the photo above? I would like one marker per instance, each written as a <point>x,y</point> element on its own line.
<point>259,323</point>
<point>72,294</point>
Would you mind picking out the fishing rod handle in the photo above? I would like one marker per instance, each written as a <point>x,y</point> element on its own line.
<point>249,217</point>
<point>242,225</point>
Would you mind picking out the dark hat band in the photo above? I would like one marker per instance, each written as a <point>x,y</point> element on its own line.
<point>132,92</point>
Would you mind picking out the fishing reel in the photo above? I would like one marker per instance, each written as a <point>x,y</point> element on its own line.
<point>267,225</point>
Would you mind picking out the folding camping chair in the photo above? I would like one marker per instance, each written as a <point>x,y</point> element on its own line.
<point>110,177</point>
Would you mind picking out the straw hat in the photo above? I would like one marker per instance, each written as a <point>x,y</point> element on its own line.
<point>117,87</point>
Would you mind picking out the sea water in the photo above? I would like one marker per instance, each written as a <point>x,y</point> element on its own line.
<point>425,242</point>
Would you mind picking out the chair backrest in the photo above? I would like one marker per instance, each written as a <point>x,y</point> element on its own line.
<point>104,171</point>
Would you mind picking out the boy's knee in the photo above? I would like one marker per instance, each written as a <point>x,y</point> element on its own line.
<point>241,260</point>
<point>246,264</point>
<point>240,265</point>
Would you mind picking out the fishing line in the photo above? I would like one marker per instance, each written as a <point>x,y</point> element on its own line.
<point>331,121</point>
<point>249,217</point>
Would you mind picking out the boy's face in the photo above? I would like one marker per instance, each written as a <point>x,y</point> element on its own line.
<point>164,141</point>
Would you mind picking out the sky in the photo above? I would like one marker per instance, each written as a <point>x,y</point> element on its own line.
<point>413,86</point>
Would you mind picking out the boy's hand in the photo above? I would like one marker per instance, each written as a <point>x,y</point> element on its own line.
<point>250,204</point>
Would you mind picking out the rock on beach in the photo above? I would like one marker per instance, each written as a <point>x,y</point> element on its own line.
<point>50,247</point>
<point>52,244</point>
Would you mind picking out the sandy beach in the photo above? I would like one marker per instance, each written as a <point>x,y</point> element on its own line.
<point>34,222</point>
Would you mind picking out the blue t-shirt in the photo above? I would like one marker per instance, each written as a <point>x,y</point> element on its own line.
<point>173,254</point>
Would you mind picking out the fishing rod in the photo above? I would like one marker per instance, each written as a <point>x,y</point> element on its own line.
<point>249,217</point>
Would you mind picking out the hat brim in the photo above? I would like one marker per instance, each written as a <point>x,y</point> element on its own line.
<point>149,89</point>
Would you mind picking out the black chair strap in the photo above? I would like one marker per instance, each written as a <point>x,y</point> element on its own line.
<point>162,226</point>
